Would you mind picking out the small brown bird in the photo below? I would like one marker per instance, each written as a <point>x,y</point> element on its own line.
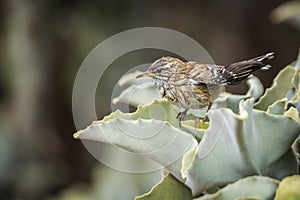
<point>191,85</point>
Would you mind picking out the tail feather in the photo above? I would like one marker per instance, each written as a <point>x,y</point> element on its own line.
<point>265,57</point>
<point>239,71</point>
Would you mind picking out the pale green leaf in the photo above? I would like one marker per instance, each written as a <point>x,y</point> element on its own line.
<point>289,188</point>
<point>285,85</point>
<point>147,132</point>
<point>138,94</point>
<point>279,89</point>
<point>130,79</point>
<point>231,101</point>
<point>235,146</point>
<point>296,147</point>
<point>187,161</point>
<point>168,189</point>
<point>140,91</point>
<point>293,114</point>
<point>252,187</point>
<point>278,107</point>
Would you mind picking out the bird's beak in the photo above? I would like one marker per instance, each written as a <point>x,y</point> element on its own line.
<point>145,74</point>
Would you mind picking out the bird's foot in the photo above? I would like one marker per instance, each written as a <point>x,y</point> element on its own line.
<point>203,119</point>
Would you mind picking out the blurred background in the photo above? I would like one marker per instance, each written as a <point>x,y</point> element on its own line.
<point>43,44</point>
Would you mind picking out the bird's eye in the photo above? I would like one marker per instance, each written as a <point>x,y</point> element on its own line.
<point>158,70</point>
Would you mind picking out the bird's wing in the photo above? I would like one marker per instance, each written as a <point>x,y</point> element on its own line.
<point>208,74</point>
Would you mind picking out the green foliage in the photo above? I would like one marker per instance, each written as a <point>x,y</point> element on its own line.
<point>289,188</point>
<point>281,85</point>
<point>242,139</point>
<point>168,188</point>
<point>252,187</point>
<point>140,91</point>
<point>244,145</point>
<point>144,135</point>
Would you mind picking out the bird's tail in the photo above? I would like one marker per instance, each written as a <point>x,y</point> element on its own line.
<point>239,71</point>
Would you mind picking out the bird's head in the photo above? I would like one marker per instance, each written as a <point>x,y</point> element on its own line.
<point>161,69</point>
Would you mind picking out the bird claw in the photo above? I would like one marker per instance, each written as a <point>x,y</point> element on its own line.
<point>181,116</point>
<point>204,119</point>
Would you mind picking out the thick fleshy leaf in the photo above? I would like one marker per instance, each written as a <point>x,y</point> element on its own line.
<point>279,89</point>
<point>140,91</point>
<point>252,187</point>
<point>147,132</point>
<point>289,188</point>
<point>278,107</point>
<point>158,109</point>
<point>296,82</point>
<point>168,189</point>
<point>197,131</point>
<point>138,94</point>
<point>130,79</point>
<point>110,184</point>
<point>256,89</point>
<point>293,114</point>
<point>231,101</point>
<point>187,160</point>
<point>162,110</point>
<point>295,104</point>
<point>240,141</point>
<point>285,85</point>
<point>296,148</point>
<point>236,146</point>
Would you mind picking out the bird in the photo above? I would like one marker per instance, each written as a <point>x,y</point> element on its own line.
<point>191,85</point>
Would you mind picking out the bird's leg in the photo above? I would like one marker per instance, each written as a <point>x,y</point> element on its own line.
<point>204,119</point>
<point>181,116</point>
<point>208,108</point>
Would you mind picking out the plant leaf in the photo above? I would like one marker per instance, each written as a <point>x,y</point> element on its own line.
<point>296,148</point>
<point>231,101</point>
<point>279,89</point>
<point>289,188</point>
<point>252,187</point>
<point>278,107</point>
<point>168,189</point>
<point>141,91</point>
<point>138,133</point>
<point>285,85</point>
<point>235,146</point>
<point>130,79</point>
<point>138,94</point>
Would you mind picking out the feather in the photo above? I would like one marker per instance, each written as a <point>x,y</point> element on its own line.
<point>239,71</point>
